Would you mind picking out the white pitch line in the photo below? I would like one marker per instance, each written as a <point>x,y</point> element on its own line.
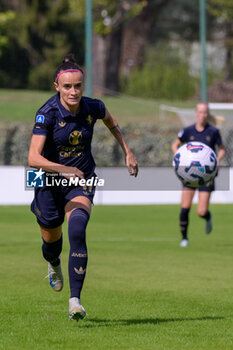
<point>133,240</point>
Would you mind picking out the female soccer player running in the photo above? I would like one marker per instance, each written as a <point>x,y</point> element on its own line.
<point>61,143</point>
<point>203,132</point>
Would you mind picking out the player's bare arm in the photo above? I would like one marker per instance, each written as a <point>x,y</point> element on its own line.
<point>113,126</point>
<point>175,145</point>
<point>221,153</point>
<point>36,160</point>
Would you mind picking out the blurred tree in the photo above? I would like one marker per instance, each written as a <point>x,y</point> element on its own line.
<point>222,10</point>
<point>109,19</point>
<point>123,29</point>
<point>158,77</point>
<point>123,26</point>
<point>13,62</point>
<point>178,20</point>
<point>33,42</point>
<point>138,32</point>
<point>41,34</point>
<point>5,20</point>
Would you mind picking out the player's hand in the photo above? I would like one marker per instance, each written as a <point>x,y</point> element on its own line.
<point>72,172</point>
<point>132,164</point>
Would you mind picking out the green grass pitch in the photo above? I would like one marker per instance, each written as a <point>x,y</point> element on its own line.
<point>142,291</point>
<point>21,106</point>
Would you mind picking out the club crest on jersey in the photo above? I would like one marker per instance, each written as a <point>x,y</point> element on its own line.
<point>194,148</point>
<point>75,137</point>
<point>62,124</point>
<point>89,119</point>
<point>40,118</point>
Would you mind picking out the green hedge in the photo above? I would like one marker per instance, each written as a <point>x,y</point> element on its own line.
<point>161,81</point>
<point>151,145</point>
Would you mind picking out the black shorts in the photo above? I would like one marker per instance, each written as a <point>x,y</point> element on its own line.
<point>49,203</point>
<point>209,187</point>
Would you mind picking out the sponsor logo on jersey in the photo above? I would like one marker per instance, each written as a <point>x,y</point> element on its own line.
<point>75,137</point>
<point>62,124</point>
<point>40,118</point>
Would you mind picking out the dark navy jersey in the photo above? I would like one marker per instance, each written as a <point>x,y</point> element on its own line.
<point>209,136</point>
<point>69,136</point>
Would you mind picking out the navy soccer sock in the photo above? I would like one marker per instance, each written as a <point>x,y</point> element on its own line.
<point>51,251</point>
<point>184,221</point>
<point>206,216</point>
<point>78,250</point>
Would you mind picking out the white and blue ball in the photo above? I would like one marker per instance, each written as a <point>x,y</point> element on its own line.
<point>195,164</point>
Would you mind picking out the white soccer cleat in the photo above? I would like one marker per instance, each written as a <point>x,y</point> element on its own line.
<point>76,310</point>
<point>209,225</point>
<point>184,243</point>
<point>55,277</point>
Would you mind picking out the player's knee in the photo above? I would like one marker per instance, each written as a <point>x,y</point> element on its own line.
<point>201,211</point>
<point>77,227</point>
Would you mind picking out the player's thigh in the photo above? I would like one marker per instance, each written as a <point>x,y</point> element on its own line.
<point>187,197</point>
<point>51,234</point>
<point>203,202</point>
<point>78,202</point>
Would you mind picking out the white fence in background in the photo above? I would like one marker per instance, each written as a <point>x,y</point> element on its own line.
<point>152,186</point>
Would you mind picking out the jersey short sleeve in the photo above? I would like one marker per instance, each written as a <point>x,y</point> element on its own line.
<point>181,135</point>
<point>100,109</point>
<point>43,123</point>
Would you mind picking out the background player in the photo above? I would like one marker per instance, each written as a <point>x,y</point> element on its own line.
<point>61,143</point>
<point>203,132</point>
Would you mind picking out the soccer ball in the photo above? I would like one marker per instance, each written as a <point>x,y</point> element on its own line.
<point>195,164</point>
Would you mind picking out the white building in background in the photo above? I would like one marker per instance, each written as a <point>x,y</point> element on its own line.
<point>215,55</point>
